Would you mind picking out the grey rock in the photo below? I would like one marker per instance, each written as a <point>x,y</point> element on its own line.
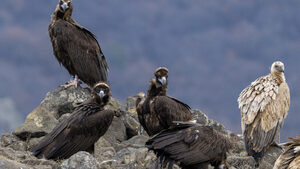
<point>40,163</point>
<point>37,124</point>
<point>131,123</point>
<point>270,157</point>
<point>10,164</point>
<point>116,133</point>
<point>130,104</point>
<point>136,142</point>
<point>200,117</point>
<point>241,162</point>
<point>12,141</point>
<point>43,119</point>
<point>63,100</point>
<point>12,154</point>
<point>80,160</point>
<point>33,142</point>
<point>131,156</point>
<point>114,104</point>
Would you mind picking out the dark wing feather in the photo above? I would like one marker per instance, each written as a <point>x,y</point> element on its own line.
<point>148,119</point>
<point>256,147</point>
<point>76,133</point>
<point>78,50</point>
<point>190,145</point>
<point>168,109</point>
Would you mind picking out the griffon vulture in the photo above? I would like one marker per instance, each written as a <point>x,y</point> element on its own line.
<point>192,145</point>
<point>264,105</point>
<point>290,158</point>
<point>75,47</point>
<point>81,129</point>
<point>157,111</point>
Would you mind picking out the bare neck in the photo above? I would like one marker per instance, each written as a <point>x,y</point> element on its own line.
<point>279,76</point>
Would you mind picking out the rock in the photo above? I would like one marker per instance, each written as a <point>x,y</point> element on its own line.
<point>114,104</point>
<point>131,156</point>
<point>40,163</point>
<point>200,117</point>
<point>43,119</point>
<point>12,141</point>
<point>131,102</point>
<point>11,154</point>
<point>116,133</point>
<point>137,141</point>
<point>10,164</point>
<point>80,160</point>
<point>64,100</point>
<point>270,157</point>
<point>241,162</point>
<point>37,124</point>
<point>131,123</point>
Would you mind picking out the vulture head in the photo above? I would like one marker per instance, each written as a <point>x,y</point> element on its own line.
<point>64,8</point>
<point>277,67</point>
<point>161,77</point>
<point>101,91</point>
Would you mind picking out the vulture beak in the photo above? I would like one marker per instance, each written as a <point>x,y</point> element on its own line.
<point>64,6</point>
<point>280,69</point>
<point>101,94</point>
<point>163,80</point>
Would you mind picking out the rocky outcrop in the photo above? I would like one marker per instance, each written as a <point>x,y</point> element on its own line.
<point>122,147</point>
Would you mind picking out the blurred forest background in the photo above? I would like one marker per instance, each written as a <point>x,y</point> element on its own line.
<point>213,49</point>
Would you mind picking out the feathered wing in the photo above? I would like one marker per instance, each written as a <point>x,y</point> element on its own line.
<point>190,144</point>
<point>168,109</point>
<point>264,106</point>
<point>147,119</point>
<point>76,133</point>
<point>290,158</point>
<point>78,50</point>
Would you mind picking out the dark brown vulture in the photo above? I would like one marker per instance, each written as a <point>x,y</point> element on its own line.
<point>158,111</point>
<point>81,129</point>
<point>76,48</point>
<point>192,145</point>
<point>290,158</point>
<point>264,105</point>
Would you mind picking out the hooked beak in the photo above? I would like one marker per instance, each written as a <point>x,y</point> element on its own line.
<point>163,80</point>
<point>101,94</point>
<point>280,69</point>
<point>64,6</point>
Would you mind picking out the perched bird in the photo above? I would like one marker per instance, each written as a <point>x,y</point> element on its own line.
<point>192,145</point>
<point>290,158</point>
<point>81,129</point>
<point>158,111</point>
<point>264,105</point>
<point>75,47</point>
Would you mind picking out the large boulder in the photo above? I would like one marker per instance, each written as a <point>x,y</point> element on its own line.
<point>45,117</point>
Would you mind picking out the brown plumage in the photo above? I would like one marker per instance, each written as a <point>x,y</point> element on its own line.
<point>290,158</point>
<point>264,105</point>
<point>75,47</point>
<point>158,111</point>
<point>81,129</point>
<point>192,145</point>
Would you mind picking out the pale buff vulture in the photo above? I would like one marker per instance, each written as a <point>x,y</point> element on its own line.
<point>290,158</point>
<point>264,105</point>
